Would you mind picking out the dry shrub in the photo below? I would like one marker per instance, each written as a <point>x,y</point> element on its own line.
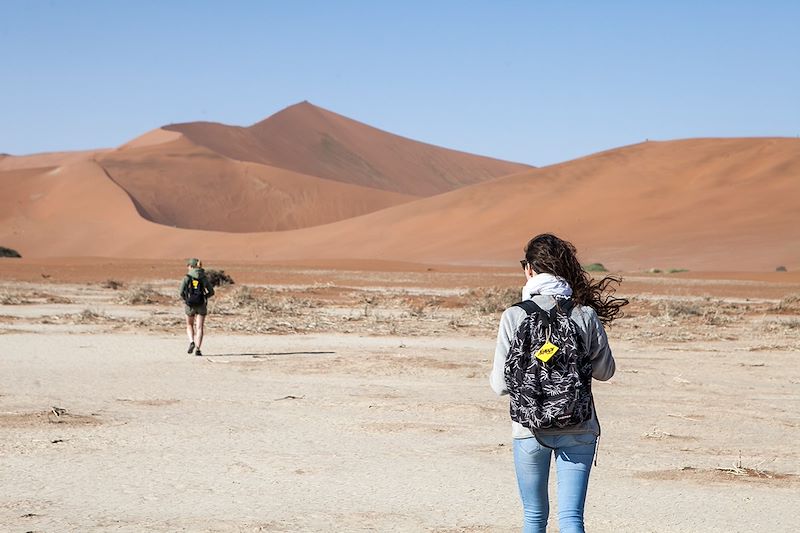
<point>8,297</point>
<point>671,309</point>
<point>218,278</point>
<point>140,295</point>
<point>781,326</point>
<point>595,267</point>
<point>50,298</point>
<point>12,298</point>
<point>112,284</point>
<point>268,301</point>
<point>88,316</point>
<point>493,300</point>
<point>709,313</point>
<point>788,304</point>
<point>8,252</point>
<point>242,297</point>
<point>421,307</point>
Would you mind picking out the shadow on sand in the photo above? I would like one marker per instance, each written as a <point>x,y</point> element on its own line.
<point>263,354</point>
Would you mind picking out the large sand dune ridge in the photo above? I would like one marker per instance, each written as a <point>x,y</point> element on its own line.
<point>180,184</point>
<point>701,204</point>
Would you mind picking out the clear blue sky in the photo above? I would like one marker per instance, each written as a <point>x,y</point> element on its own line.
<point>531,81</point>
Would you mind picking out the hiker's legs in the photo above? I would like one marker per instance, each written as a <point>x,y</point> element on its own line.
<point>198,330</point>
<point>532,463</point>
<point>574,454</point>
<point>190,327</point>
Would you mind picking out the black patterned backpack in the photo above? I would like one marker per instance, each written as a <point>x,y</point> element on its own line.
<point>548,371</point>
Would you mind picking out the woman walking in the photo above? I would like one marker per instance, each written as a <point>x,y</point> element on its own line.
<point>196,289</point>
<point>549,347</point>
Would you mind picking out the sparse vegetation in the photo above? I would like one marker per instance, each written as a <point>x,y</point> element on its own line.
<point>241,297</point>
<point>788,304</point>
<point>88,316</point>
<point>12,298</point>
<point>595,267</point>
<point>140,295</point>
<point>8,252</point>
<point>667,271</point>
<point>218,278</point>
<point>51,298</point>
<point>18,297</point>
<point>780,269</point>
<point>112,284</point>
<point>258,302</point>
<point>680,309</point>
<point>706,312</point>
<point>423,307</point>
<point>408,310</point>
<point>493,300</point>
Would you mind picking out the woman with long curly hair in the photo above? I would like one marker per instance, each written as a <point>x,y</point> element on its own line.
<point>555,282</point>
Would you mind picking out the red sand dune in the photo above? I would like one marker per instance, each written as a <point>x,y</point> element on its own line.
<point>180,184</point>
<point>310,140</point>
<point>709,204</point>
<point>45,159</point>
<point>702,204</point>
<point>302,167</point>
<point>151,138</point>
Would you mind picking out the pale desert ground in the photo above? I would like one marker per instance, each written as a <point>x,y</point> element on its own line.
<point>347,400</point>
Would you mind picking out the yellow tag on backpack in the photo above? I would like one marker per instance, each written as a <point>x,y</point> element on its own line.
<point>547,351</point>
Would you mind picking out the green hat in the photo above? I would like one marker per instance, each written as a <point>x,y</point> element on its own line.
<point>193,262</point>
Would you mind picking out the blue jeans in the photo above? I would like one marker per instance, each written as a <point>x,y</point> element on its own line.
<point>574,454</point>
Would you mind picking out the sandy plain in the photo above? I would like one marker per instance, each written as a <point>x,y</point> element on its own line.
<point>344,399</point>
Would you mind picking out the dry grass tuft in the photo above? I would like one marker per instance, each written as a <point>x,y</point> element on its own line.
<point>18,297</point>
<point>423,307</point>
<point>789,304</point>
<point>141,295</point>
<point>112,284</point>
<point>782,326</point>
<point>258,302</point>
<point>492,300</point>
<point>13,298</point>
<point>90,316</point>
<point>705,312</point>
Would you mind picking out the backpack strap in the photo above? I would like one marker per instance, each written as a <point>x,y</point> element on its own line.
<point>528,306</point>
<point>548,317</point>
<point>566,306</point>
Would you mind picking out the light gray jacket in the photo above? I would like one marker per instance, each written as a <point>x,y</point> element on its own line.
<point>594,337</point>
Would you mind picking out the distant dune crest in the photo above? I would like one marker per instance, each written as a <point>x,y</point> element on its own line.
<point>307,183</point>
<point>302,167</point>
<point>310,140</point>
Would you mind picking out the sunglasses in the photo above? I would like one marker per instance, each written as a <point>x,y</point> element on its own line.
<point>523,263</point>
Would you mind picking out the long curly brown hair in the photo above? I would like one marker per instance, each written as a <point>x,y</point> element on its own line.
<point>546,253</point>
